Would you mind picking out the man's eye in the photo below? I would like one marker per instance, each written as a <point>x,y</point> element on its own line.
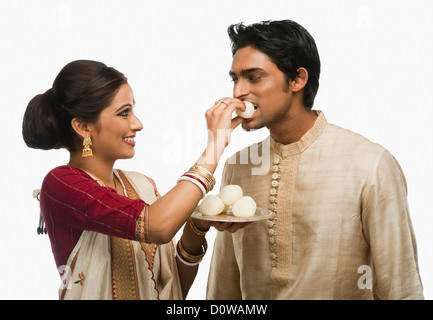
<point>234,80</point>
<point>254,78</point>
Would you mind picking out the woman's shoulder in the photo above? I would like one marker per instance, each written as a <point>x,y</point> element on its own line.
<point>140,180</point>
<point>65,174</point>
<point>67,171</point>
<point>137,176</point>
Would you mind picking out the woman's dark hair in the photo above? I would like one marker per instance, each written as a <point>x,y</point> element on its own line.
<point>82,89</point>
<point>287,44</point>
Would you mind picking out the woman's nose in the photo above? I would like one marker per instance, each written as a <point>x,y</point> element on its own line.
<point>136,124</point>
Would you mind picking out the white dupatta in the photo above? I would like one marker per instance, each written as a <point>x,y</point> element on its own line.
<point>91,273</point>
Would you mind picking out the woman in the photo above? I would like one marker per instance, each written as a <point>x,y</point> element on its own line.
<point>110,231</point>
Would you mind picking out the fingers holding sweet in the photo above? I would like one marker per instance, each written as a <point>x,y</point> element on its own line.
<point>220,122</point>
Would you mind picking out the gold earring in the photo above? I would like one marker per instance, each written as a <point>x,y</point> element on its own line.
<point>87,151</point>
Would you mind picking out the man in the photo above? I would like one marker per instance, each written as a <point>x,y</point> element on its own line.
<point>342,228</point>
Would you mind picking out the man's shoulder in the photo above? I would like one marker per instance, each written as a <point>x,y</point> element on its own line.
<point>353,141</point>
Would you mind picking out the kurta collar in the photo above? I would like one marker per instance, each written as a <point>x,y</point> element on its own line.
<point>306,140</point>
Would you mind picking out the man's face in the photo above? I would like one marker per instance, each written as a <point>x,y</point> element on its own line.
<point>257,79</point>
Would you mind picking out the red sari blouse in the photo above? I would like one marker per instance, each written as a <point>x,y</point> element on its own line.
<point>72,201</point>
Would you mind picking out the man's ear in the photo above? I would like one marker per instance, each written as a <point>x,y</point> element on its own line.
<point>300,80</point>
<point>82,128</point>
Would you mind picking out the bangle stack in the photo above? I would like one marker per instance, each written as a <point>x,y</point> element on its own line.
<point>201,177</point>
<point>196,230</point>
<point>187,258</point>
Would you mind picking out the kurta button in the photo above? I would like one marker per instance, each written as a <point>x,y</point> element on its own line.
<point>270,223</point>
<point>273,191</point>
<point>271,240</point>
<point>275,176</point>
<point>272,207</point>
<point>273,256</point>
<point>275,168</point>
<point>271,232</point>
<point>274,263</point>
<point>274,183</point>
<point>277,160</point>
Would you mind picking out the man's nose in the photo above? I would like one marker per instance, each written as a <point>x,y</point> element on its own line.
<point>241,89</point>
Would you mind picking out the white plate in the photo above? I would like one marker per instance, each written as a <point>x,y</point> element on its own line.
<point>261,214</point>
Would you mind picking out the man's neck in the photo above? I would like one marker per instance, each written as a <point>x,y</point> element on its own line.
<point>294,126</point>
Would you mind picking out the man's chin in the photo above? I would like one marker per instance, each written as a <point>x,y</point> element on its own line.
<point>250,125</point>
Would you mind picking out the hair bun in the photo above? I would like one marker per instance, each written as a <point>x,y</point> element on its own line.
<point>82,89</point>
<point>40,124</point>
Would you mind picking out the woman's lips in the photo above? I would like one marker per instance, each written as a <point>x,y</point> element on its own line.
<point>130,140</point>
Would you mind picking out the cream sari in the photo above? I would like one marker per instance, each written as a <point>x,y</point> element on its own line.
<point>103,267</point>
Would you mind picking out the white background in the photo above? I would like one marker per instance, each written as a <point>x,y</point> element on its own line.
<point>376,80</point>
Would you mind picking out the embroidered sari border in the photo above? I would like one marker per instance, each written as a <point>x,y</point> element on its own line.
<point>141,226</point>
<point>124,273</point>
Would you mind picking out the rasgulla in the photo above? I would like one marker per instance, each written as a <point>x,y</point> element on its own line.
<point>211,205</point>
<point>230,193</point>
<point>244,207</point>
<point>248,113</point>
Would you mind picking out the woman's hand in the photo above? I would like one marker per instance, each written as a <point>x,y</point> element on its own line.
<point>220,123</point>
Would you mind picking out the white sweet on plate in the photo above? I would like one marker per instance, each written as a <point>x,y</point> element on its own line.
<point>252,200</point>
<point>248,113</point>
<point>211,205</point>
<point>244,207</point>
<point>230,196</point>
<point>230,193</point>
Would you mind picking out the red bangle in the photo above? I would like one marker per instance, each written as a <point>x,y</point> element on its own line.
<point>195,178</point>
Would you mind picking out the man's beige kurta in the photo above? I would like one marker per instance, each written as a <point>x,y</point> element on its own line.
<point>342,228</point>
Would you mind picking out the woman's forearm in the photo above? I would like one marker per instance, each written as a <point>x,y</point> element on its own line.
<point>169,213</point>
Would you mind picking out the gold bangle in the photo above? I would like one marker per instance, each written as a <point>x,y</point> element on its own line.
<point>205,171</point>
<point>199,177</point>
<point>210,184</point>
<point>202,175</point>
<point>189,257</point>
<point>196,230</point>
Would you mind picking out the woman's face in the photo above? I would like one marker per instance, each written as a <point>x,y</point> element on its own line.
<point>114,133</point>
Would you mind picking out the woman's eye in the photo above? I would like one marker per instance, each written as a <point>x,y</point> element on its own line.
<point>124,113</point>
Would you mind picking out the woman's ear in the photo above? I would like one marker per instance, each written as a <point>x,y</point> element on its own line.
<point>300,80</point>
<point>82,128</point>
